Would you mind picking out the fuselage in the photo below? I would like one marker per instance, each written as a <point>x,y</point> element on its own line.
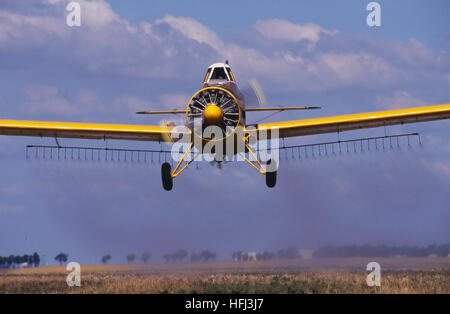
<point>220,108</point>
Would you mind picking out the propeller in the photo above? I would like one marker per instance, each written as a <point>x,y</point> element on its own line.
<point>214,106</point>
<point>253,94</point>
<point>175,128</point>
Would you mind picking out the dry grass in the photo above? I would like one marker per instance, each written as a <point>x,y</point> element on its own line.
<point>425,275</point>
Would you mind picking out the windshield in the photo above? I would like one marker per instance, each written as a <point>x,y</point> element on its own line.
<point>219,74</point>
<point>207,75</point>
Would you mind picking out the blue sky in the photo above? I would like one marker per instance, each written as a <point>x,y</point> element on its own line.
<point>134,55</point>
<point>401,19</point>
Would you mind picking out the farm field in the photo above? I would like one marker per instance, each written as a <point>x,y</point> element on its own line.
<point>343,275</point>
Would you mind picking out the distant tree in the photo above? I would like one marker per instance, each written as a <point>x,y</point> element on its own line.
<point>36,259</point>
<point>145,257</point>
<point>17,260</point>
<point>106,258</point>
<point>207,255</point>
<point>25,259</point>
<point>30,260</point>
<point>10,261</point>
<point>61,258</point>
<point>179,255</point>
<point>131,257</point>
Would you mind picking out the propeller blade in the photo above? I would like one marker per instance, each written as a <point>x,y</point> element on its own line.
<point>253,94</point>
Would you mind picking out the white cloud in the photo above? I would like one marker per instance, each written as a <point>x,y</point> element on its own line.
<point>97,14</point>
<point>414,52</point>
<point>32,29</point>
<point>285,30</point>
<point>192,30</point>
<point>94,14</point>
<point>294,57</point>
<point>54,1</point>
<point>358,68</point>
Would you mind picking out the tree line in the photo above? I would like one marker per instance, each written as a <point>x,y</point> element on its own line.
<point>181,255</point>
<point>368,250</point>
<point>131,257</point>
<point>171,257</point>
<point>288,253</point>
<point>14,261</point>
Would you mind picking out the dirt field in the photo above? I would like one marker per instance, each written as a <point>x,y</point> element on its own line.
<point>398,275</point>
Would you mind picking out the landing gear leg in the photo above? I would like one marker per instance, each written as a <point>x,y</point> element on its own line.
<point>271,177</point>
<point>166,175</point>
<point>270,171</point>
<point>166,172</point>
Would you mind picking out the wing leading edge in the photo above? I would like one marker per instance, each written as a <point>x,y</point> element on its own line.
<point>357,121</point>
<point>286,128</point>
<point>84,130</point>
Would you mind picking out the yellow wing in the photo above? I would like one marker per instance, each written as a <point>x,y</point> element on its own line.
<point>85,130</point>
<point>357,121</point>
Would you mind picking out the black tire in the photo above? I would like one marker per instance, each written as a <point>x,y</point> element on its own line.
<point>271,177</point>
<point>166,176</point>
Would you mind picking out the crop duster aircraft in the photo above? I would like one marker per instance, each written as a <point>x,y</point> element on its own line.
<point>220,103</point>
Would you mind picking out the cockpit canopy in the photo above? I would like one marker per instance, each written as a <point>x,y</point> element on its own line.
<point>218,72</point>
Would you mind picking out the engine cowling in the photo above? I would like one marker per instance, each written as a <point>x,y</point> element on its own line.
<point>213,106</point>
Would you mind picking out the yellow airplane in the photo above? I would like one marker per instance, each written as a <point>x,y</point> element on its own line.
<point>220,103</point>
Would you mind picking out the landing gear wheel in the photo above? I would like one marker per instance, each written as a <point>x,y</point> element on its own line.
<point>166,175</point>
<point>271,177</point>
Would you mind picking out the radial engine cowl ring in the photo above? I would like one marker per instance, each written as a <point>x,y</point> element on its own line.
<point>213,106</point>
